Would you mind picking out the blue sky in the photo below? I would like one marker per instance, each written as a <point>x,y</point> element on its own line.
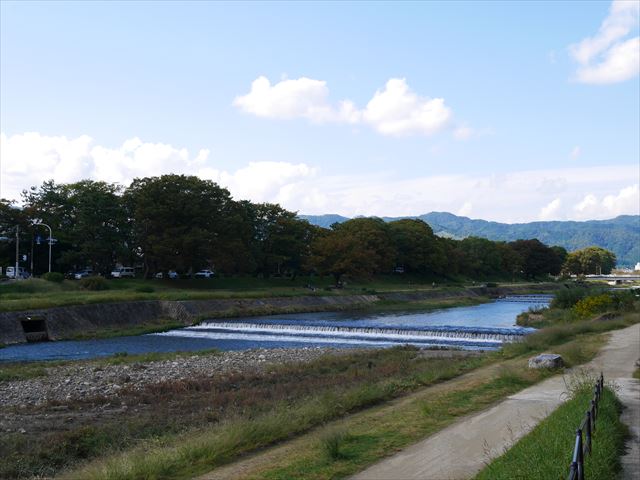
<point>504,111</point>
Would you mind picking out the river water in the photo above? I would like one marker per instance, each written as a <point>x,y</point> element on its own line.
<point>483,327</point>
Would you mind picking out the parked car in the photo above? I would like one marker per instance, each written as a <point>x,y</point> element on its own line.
<point>172,274</point>
<point>204,274</point>
<point>11,272</point>
<point>87,272</point>
<point>123,272</point>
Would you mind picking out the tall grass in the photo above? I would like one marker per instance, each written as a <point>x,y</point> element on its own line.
<point>547,450</point>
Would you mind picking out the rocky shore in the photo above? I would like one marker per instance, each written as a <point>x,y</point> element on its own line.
<point>94,379</point>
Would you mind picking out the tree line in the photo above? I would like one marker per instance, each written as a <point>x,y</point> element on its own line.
<point>184,223</point>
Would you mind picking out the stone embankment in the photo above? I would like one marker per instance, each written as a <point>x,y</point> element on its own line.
<point>97,380</point>
<point>68,322</point>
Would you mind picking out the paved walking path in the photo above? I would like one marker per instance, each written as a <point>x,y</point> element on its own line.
<point>462,449</point>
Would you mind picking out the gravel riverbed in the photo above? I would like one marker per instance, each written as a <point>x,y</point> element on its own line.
<point>86,380</point>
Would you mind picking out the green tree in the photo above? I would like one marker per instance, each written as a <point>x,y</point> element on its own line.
<point>179,222</point>
<point>11,217</point>
<point>281,240</point>
<point>87,218</point>
<point>590,260</point>
<point>480,257</point>
<point>360,247</point>
<point>418,249</point>
<point>537,258</point>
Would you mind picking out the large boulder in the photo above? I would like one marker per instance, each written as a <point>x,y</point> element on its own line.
<point>546,360</point>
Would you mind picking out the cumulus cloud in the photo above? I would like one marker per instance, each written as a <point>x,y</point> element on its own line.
<point>262,181</point>
<point>607,57</point>
<point>394,110</point>
<point>31,158</point>
<point>626,201</point>
<point>551,210</point>
<point>304,97</point>
<point>397,110</point>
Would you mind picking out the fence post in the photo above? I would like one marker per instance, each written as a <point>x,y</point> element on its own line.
<point>594,414</point>
<point>580,458</point>
<point>587,433</point>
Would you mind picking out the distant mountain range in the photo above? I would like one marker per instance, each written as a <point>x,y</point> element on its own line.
<point>621,235</point>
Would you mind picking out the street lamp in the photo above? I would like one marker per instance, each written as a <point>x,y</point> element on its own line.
<point>39,222</point>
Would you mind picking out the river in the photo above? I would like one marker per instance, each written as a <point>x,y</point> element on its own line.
<point>483,327</point>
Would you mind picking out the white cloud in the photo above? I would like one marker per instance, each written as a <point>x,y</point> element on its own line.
<point>304,97</point>
<point>607,57</point>
<point>466,209</point>
<point>621,62</point>
<point>626,201</point>
<point>551,210</point>
<point>262,181</point>
<point>397,110</point>
<point>31,158</point>
<point>575,152</point>
<point>394,110</point>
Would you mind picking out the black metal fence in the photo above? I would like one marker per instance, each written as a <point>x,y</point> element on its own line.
<point>584,434</point>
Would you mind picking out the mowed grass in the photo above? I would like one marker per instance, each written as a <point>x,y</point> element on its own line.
<point>547,450</point>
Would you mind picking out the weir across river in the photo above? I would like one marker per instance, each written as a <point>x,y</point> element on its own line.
<point>480,327</point>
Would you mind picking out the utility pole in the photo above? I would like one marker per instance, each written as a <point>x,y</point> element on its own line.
<point>15,274</point>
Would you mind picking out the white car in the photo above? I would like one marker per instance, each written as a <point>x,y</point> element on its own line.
<point>204,274</point>
<point>87,272</point>
<point>123,272</point>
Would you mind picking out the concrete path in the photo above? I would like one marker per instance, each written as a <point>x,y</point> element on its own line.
<point>461,450</point>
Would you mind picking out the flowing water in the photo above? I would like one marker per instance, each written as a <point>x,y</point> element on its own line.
<point>483,327</point>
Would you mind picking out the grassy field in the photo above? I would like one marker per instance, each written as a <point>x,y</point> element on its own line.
<point>547,450</point>
<point>37,293</point>
<point>358,439</point>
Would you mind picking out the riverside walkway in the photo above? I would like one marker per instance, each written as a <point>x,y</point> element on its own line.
<point>461,450</point>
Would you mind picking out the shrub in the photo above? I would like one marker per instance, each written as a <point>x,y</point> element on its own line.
<point>491,284</point>
<point>568,297</point>
<point>55,277</point>
<point>623,300</point>
<point>93,283</point>
<point>593,304</point>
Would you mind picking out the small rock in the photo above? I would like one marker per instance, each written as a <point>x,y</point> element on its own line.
<point>546,360</point>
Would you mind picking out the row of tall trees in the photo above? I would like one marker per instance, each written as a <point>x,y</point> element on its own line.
<point>186,223</point>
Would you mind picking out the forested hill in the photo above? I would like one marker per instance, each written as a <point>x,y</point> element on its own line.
<point>621,235</point>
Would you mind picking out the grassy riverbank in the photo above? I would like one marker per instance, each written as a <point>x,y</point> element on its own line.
<point>422,407</point>
<point>538,454</point>
<point>37,293</point>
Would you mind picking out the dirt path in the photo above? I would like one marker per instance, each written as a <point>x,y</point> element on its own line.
<point>461,450</point>
<point>253,463</point>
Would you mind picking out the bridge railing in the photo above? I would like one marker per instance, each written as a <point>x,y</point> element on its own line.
<point>584,434</point>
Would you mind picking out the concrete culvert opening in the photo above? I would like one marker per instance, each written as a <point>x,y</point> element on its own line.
<point>35,329</point>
